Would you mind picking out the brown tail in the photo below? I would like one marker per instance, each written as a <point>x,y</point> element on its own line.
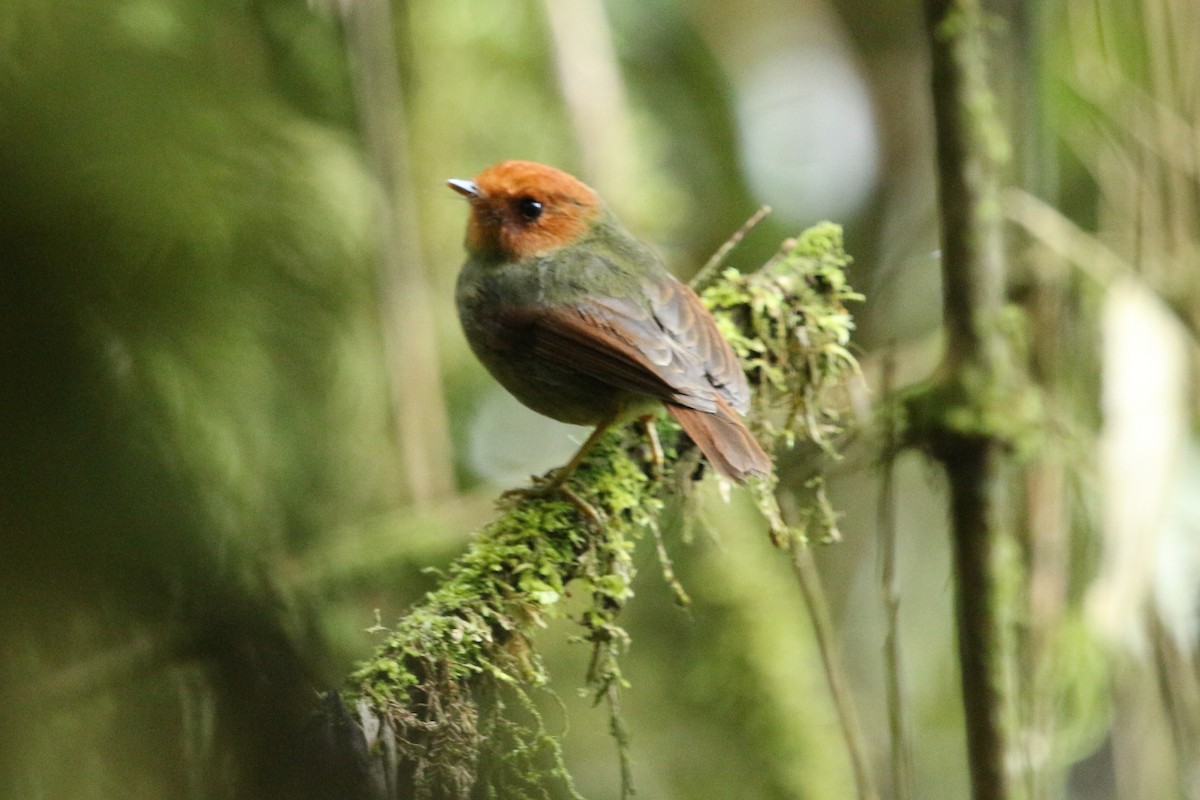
<point>724,440</point>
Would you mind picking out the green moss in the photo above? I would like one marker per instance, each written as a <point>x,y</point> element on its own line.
<point>789,324</point>
<point>449,675</point>
<point>971,403</point>
<point>451,680</point>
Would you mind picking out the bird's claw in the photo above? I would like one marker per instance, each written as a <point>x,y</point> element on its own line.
<point>543,488</point>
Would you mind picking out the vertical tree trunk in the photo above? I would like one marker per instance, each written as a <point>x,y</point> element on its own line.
<point>965,431</point>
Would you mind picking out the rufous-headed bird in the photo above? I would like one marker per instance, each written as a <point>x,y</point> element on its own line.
<point>582,322</point>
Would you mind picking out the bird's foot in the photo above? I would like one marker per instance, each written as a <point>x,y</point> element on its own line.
<point>656,453</point>
<point>545,487</point>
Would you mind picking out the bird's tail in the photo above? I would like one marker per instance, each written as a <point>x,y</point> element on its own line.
<point>724,440</point>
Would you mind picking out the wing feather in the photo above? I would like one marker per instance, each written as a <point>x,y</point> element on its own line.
<point>666,346</point>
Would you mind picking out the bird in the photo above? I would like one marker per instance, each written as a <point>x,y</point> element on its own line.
<point>583,323</point>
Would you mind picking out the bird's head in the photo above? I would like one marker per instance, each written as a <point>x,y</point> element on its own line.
<point>521,209</point>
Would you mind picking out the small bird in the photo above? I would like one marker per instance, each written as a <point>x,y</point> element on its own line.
<point>581,322</point>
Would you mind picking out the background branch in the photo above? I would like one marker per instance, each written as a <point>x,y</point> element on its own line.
<point>901,748</point>
<point>419,409</point>
<point>971,414</point>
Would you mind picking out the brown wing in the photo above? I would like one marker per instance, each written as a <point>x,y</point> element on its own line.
<point>671,350</point>
<point>680,312</point>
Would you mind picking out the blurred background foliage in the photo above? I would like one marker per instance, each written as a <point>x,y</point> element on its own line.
<point>237,416</point>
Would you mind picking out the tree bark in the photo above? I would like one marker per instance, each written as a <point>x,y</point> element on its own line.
<point>966,435</point>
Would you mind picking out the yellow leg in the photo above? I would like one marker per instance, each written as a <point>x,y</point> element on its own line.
<point>560,477</point>
<point>656,454</point>
<point>558,483</point>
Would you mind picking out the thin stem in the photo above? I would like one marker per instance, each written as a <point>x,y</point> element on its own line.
<point>621,736</point>
<point>708,273</point>
<point>901,750</point>
<point>809,580</point>
<point>668,568</point>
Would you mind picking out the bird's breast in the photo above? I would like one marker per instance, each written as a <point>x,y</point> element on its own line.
<point>495,306</point>
<point>487,297</point>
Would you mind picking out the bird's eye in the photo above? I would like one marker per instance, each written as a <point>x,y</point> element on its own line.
<point>529,209</point>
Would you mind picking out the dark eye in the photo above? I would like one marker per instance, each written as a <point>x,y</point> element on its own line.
<point>529,209</point>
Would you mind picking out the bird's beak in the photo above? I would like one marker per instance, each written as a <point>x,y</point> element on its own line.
<point>468,189</point>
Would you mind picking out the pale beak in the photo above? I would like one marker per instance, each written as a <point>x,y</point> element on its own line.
<point>468,189</point>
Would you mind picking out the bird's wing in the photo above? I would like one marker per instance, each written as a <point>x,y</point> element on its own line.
<point>671,350</point>
<point>679,311</point>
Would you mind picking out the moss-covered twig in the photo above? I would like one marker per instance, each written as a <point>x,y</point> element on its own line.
<point>451,683</point>
<point>977,409</point>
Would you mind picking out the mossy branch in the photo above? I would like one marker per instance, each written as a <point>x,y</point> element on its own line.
<point>446,698</point>
<point>977,410</point>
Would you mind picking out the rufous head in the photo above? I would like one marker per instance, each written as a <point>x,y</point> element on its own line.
<point>521,209</point>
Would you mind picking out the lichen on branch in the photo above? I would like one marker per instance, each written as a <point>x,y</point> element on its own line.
<point>446,699</point>
<point>789,324</point>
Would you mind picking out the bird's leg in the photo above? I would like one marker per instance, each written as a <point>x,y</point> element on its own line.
<point>557,484</point>
<point>656,453</point>
<point>560,477</point>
